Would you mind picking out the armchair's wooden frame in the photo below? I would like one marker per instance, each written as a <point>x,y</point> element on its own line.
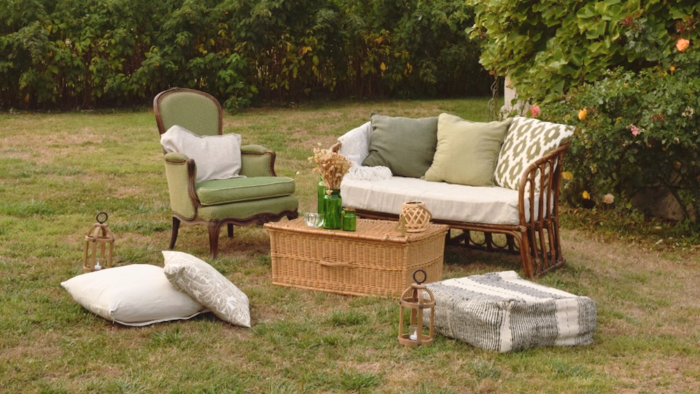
<point>213,226</point>
<point>536,238</point>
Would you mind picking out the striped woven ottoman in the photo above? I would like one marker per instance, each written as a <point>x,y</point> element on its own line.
<point>501,311</point>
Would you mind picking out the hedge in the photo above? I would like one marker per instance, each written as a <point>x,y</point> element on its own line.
<point>110,53</point>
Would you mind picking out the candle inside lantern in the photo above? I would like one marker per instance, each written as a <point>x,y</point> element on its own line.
<point>413,333</point>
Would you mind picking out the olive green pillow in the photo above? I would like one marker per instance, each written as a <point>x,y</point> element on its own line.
<point>466,151</point>
<point>404,145</point>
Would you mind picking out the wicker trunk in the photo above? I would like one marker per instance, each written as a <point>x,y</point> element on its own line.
<point>376,259</point>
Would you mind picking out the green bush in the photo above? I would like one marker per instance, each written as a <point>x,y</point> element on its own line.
<point>549,47</point>
<point>86,54</point>
<point>635,130</point>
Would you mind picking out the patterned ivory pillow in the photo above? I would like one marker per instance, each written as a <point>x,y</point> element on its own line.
<point>206,285</point>
<point>527,140</point>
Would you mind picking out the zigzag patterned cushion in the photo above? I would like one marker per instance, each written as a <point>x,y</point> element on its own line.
<point>502,312</point>
<point>527,140</point>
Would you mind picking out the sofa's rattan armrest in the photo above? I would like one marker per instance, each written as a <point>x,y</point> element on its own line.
<point>540,183</point>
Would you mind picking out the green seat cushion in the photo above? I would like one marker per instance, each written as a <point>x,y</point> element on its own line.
<point>245,210</point>
<point>404,145</point>
<point>224,191</point>
<point>466,151</point>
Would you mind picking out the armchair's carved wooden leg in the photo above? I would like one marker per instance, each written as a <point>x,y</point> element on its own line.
<point>230,230</point>
<point>173,237</point>
<point>214,227</point>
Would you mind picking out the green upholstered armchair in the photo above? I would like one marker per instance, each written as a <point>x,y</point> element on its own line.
<point>258,198</point>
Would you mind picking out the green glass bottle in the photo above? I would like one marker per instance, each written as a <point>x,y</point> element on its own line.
<point>321,190</point>
<point>349,219</point>
<point>332,210</point>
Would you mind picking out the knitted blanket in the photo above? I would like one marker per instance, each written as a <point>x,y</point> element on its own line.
<point>503,312</point>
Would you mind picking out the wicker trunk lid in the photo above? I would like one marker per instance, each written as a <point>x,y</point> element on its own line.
<point>374,260</point>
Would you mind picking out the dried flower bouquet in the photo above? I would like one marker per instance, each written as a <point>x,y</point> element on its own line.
<point>332,166</point>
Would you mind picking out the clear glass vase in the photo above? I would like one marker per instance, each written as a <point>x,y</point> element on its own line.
<point>332,210</point>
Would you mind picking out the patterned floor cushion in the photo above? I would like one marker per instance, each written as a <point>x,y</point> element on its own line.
<point>503,312</point>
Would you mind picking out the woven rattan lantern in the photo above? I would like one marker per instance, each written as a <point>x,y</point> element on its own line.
<point>97,255</point>
<point>414,301</point>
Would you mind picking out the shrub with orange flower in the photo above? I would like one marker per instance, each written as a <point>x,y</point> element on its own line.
<point>582,114</point>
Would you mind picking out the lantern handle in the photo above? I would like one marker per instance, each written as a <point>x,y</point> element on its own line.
<point>425,276</point>
<point>101,217</point>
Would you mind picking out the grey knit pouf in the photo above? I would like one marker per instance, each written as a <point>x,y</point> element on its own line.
<point>503,312</point>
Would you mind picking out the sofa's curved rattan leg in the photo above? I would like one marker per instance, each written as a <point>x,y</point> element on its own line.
<point>230,230</point>
<point>525,258</point>
<point>213,227</point>
<point>173,237</point>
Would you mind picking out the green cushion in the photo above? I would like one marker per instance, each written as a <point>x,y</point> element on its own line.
<point>247,209</point>
<point>528,140</point>
<point>404,145</point>
<point>466,151</point>
<point>223,191</point>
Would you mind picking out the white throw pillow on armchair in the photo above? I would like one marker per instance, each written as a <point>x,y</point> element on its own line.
<point>216,156</point>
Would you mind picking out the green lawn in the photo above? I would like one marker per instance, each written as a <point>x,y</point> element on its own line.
<point>58,170</point>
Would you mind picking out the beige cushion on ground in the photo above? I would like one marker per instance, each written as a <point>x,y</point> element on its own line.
<point>133,295</point>
<point>493,205</point>
<point>205,284</point>
<point>216,156</point>
<point>466,151</point>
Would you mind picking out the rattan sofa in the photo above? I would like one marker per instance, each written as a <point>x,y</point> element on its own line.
<point>530,225</point>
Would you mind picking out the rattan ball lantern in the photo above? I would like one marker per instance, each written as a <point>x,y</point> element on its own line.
<point>97,254</point>
<point>417,300</point>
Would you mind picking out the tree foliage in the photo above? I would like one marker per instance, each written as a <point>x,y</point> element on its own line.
<point>90,53</point>
<point>548,47</point>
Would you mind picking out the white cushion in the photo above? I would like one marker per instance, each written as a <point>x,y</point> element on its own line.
<point>133,295</point>
<point>205,284</point>
<point>355,143</point>
<point>216,156</point>
<point>489,205</point>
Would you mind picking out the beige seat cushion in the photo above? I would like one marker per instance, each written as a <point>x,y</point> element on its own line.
<point>490,205</point>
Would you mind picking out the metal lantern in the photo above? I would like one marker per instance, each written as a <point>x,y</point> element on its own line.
<point>96,255</point>
<point>417,300</point>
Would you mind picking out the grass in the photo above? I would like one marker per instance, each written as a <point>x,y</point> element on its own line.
<point>58,170</point>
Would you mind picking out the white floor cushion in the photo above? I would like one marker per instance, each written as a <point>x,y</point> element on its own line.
<point>491,205</point>
<point>133,295</point>
<point>502,312</point>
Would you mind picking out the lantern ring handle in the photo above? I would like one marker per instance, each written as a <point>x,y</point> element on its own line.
<point>101,217</point>
<point>425,276</point>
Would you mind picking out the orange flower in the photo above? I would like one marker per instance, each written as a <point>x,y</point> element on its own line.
<point>586,195</point>
<point>682,44</point>
<point>582,114</point>
<point>672,69</point>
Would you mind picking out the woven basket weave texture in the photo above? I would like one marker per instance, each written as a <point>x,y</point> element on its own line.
<point>376,259</point>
